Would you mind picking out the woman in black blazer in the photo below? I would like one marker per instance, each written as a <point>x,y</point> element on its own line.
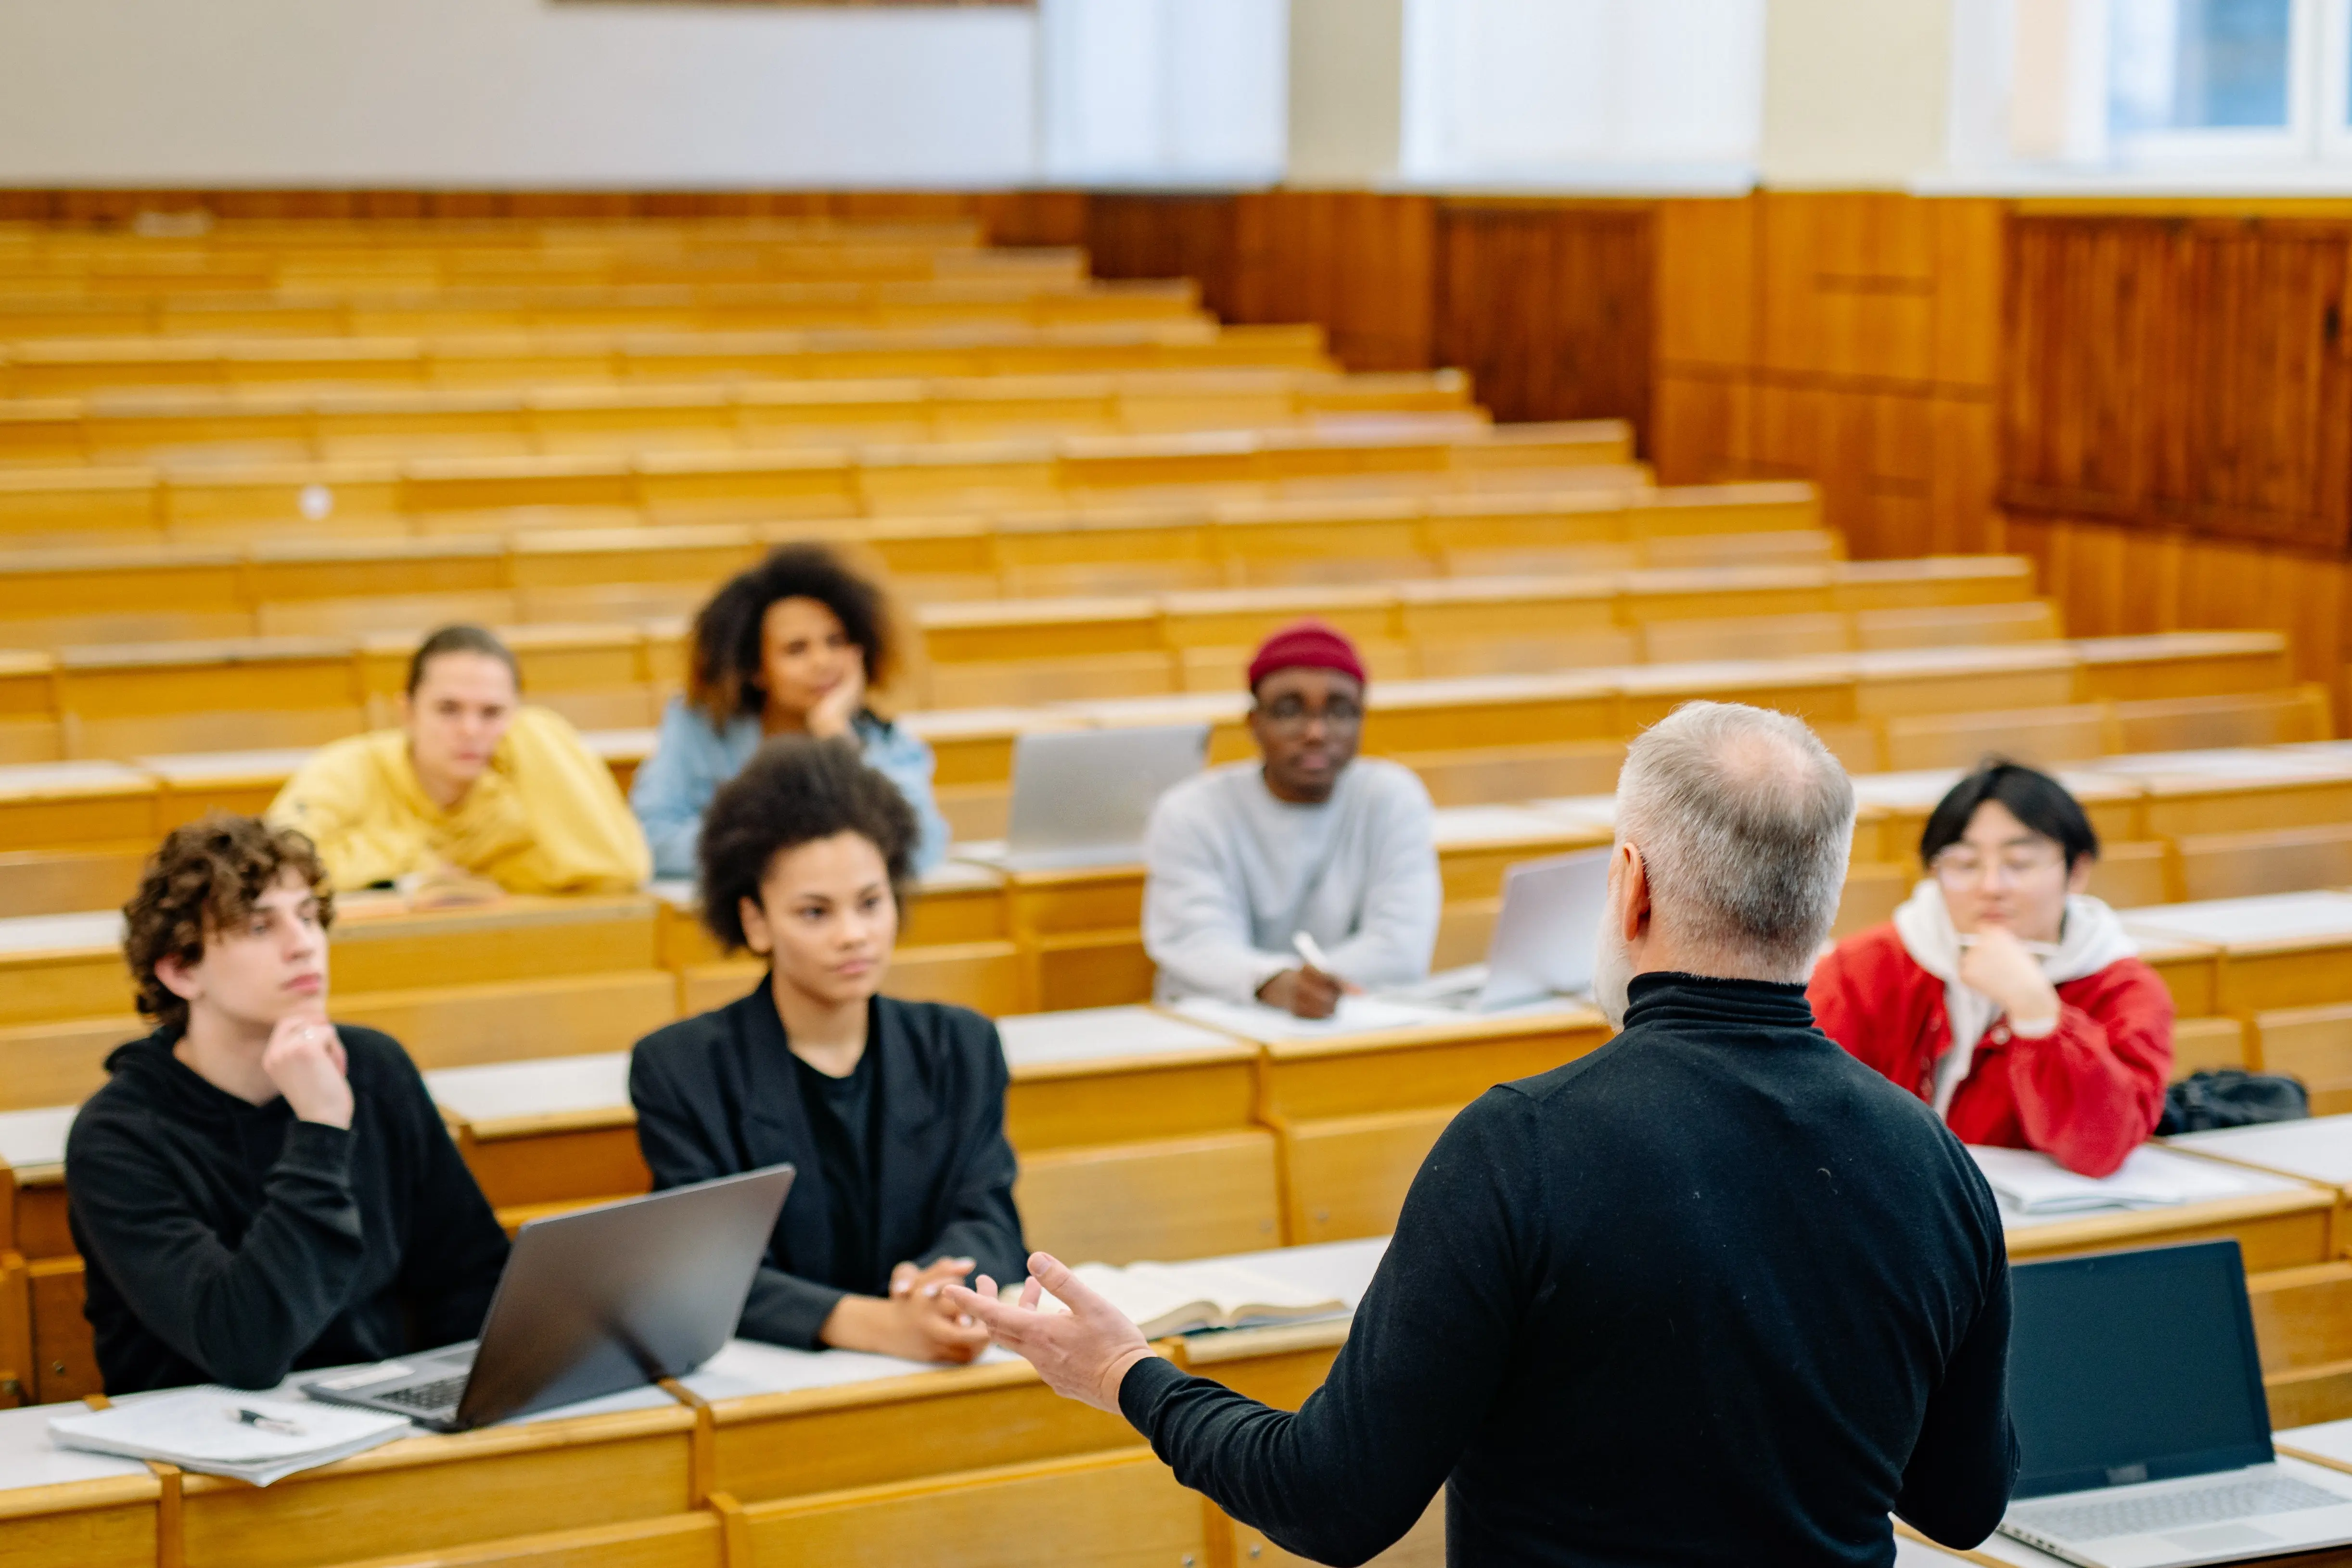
<point>893,1111</point>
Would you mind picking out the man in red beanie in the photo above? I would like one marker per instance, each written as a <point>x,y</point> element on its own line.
<point>1308,841</point>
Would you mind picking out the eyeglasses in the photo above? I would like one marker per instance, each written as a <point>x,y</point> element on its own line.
<point>1958,867</point>
<point>1292,712</point>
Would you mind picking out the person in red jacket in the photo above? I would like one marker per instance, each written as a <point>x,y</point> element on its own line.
<point>2002,993</point>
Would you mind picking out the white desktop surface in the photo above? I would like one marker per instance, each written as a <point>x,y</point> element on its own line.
<point>2236,1180</point>
<point>27,1457</point>
<point>32,1140</point>
<point>2319,1149</point>
<point>1459,826</point>
<point>548,1086</point>
<point>2235,922</point>
<point>44,933</point>
<point>1087,1034</point>
<point>746,1367</point>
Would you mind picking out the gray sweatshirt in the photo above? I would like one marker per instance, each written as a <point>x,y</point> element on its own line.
<point>1235,872</point>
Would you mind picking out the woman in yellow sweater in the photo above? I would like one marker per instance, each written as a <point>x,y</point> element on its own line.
<point>473,785</point>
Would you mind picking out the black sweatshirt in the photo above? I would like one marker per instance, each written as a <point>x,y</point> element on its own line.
<point>1715,1293</point>
<point>722,1093</point>
<point>228,1242</point>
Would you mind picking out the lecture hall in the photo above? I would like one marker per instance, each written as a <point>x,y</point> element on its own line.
<point>1175,783</point>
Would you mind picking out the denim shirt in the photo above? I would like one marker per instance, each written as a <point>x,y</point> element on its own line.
<point>691,760</point>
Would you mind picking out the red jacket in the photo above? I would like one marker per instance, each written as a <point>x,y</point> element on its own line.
<point>2086,1094</point>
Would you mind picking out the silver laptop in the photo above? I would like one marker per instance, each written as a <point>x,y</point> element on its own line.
<point>1545,939</point>
<point>592,1303</point>
<point>1082,797</point>
<point>2138,1396</point>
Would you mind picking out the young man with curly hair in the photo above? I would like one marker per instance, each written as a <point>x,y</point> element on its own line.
<point>257,1189</point>
<point>893,1111</point>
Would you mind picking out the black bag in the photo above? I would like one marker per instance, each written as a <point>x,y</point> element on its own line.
<point>2228,1097</point>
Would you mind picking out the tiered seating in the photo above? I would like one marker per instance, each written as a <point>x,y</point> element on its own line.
<point>239,474</point>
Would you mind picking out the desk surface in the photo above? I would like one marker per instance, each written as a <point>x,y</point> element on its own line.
<point>27,1457</point>
<point>556,1085</point>
<point>1097,1034</point>
<point>2276,919</point>
<point>2230,1184</point>
<point>2317,1150</point>
<point>1371,1019</point>
<point>33,1143</point>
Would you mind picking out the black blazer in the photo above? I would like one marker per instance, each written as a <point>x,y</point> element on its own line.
<point>718,1094</point>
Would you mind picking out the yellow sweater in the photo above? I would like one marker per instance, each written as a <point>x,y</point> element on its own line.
<point>545,817</point>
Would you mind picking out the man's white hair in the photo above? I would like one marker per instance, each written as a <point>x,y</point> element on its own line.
<point>1743,820</point>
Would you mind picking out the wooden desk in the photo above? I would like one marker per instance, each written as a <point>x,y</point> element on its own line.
<point>2284,950</point>
<point>1137,1137</point>
<point>618,1467</point>
<point>60,1508</point>
<point>2238,789</point>
<point>43,1284</point>
<point>1357,1107</point>
<point>557,1131</point>
<point>2279,1221</point>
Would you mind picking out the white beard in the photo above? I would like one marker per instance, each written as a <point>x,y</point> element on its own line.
<point>1612,974</point>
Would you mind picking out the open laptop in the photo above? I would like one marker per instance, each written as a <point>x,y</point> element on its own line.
<point>2137,1397</point>
<point>592,1303</point>
<point>1082,797</point>
<point>1545,939</point>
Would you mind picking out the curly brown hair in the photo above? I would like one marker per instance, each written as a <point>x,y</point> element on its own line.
<point>726,664</point>
<point>795,790</point>
<point>205,876</point>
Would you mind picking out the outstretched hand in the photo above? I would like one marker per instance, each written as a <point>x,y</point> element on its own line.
<point>1082,1353</point>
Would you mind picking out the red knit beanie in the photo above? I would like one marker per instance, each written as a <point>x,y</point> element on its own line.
<point>1307,646</point>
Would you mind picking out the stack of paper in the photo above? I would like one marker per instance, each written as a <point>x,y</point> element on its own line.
<point>223,1432</point>
<point>2030,1183</point>
<point>1356,1015</point>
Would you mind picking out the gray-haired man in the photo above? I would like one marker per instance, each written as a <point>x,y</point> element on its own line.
<point>1715,1293</point>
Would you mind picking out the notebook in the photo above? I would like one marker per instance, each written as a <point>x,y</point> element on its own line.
<point>2031,1183</point>
<point>1179,1298</point>
<point>252,1438</point>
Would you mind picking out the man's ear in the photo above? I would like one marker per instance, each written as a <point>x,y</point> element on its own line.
<point>756,935</point>
<point>407,709</point>
<point>2078,879</point>
<point>177,977</point>
<point>1631,876</point>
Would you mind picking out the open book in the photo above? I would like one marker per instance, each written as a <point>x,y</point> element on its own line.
<point>252,1438</point>
<point>1177,1298</point>
<point>2030,1183</point>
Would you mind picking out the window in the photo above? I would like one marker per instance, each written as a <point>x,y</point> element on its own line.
<point>2143,89</point>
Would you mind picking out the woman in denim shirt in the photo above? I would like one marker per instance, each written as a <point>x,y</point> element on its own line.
<point>788,647</point>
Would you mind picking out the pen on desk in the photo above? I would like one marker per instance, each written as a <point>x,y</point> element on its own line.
<point>237,1415</point>
<point>1308,948</point>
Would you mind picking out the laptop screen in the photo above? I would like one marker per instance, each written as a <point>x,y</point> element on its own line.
<point>2135,1367</point>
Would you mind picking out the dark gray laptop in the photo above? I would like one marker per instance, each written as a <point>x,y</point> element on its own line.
<point>2138,1396</point>
<point>592,1303</point>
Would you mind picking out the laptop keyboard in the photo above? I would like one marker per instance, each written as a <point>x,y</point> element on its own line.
<point>2246,1499</point>
<point>438,1397</point>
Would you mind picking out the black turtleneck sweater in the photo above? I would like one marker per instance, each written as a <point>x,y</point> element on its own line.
<point>1715,1293</point>
<point>228,1242</point>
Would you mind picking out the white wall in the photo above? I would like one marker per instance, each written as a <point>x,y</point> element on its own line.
<point>1590,92</point>
<point>1856,91</point>
<point>513,92</point>
<point>1346,87</point>
<point>1164,91</point>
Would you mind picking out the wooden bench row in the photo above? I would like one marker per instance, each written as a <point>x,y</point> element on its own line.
<point>168,592</point>
<point>496,495</point>
<point>170,275</point>
<point>76,367</point>
<point>1036,298</point>
<point>300,427</point>
<point>1003,652</point>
